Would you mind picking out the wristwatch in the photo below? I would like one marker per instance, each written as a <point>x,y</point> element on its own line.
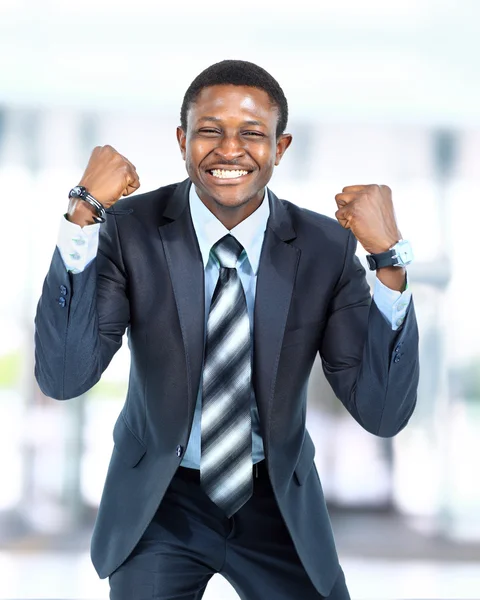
<point>399,255</point>
<point>79,191</point>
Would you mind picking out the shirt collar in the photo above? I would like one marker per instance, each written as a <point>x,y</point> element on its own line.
<point>249,232</point>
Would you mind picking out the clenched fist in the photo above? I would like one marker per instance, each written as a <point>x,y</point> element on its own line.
<point>108,177</point>
<point>368,211</point>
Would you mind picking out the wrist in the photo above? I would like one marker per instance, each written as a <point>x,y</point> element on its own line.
<point>383,246</point>
<point>394,278</point>
<point>81,193</point>
<point>81,213</point>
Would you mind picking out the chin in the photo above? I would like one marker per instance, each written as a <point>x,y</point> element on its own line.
<point>232,200</point>
<point>232,197</point>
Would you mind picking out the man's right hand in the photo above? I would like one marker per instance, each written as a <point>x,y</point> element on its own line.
<point>108,177</point>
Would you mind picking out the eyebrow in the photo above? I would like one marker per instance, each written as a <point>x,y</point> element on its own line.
<point>217,120</point>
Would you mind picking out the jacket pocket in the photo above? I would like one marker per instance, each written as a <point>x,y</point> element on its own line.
<point>129,447</point>
<point>305,459</point>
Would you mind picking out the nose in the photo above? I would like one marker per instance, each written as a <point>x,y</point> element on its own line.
<point>230,147</point>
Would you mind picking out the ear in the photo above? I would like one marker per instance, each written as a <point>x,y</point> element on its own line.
<point>283,142</point>
<point>182,141</point>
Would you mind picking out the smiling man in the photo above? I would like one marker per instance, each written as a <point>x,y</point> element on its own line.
<point>227,294</point>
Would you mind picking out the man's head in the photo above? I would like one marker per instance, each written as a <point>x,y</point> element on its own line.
<point>233,119</point>
<point>240,73</point>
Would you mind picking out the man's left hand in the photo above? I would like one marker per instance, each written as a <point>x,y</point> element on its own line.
<point>368,211</point>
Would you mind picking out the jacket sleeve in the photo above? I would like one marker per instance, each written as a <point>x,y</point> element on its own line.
<point>372,369</point>
<point>80,319</point>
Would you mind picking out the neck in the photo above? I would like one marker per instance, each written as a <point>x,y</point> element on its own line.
<point>231,216</point>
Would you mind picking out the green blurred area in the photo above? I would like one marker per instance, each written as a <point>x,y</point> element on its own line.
<point>12,369</point>
<point>464,380</point>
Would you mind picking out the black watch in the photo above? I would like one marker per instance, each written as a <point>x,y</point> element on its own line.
<point>79,191</point>
<point>399,255</point>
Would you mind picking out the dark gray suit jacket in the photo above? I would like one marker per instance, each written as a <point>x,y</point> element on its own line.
<point>148,278</point>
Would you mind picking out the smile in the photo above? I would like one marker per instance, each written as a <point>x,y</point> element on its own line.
<point>228,173</point>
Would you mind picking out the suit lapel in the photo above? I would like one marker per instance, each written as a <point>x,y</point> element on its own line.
<point>275,281</point>
<point>185,264</point>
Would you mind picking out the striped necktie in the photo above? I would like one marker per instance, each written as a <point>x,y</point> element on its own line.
<point>226,429</point>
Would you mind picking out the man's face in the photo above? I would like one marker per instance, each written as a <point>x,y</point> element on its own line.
<point>230,146</point>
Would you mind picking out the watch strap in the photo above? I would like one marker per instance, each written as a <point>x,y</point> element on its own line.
<point>382,259</point>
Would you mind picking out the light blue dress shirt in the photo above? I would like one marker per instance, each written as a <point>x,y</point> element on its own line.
<point>249,233</point>
<point>78,247</point>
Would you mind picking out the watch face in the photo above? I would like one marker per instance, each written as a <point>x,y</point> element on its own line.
<point>404,252</point>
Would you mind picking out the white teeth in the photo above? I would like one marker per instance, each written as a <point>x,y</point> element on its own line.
<point>223,174</point>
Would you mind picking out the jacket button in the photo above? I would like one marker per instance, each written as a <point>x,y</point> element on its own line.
<point>63,290</point>
<point>61,301</point>
<point>179,450</point>
<point>396,359</point>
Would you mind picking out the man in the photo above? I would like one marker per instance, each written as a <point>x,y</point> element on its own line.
<point>227,294</point>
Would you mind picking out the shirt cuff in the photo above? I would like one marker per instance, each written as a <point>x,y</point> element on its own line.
<point>392,304</point>
<point>77,245</point>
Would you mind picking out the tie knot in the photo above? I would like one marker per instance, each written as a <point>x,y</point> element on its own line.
<point>227,250</point>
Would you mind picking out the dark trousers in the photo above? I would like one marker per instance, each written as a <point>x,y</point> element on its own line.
<point>190,539</point>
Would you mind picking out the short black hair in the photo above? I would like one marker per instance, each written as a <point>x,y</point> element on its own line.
<point>237,72</point>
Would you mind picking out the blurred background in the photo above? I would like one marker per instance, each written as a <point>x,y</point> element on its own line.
<point>379,92</point>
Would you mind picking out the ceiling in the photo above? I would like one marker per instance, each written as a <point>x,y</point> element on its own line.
<point>409,61</point>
